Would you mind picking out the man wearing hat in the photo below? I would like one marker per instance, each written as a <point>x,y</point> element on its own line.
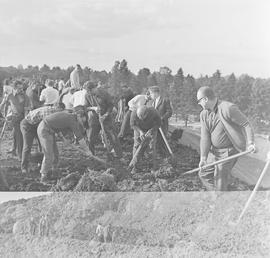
<point>145,121</point>
<point>99,105</point>
<point>55,123</point>
<point>162,105</point>
<point>49,95</point>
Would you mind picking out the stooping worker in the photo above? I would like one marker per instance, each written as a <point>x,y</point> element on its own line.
<point>19,106</point>
<point>29,130</point>
<point>99,105</point>
<point>55,123</point>
<point>145,122</point>
<point>225,131</point>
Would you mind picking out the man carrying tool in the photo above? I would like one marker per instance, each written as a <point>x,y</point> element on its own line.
<point>29,130</point>
<point>55,123</point>
<point>19,106</point>
<point>99,105</point>
<point>225,131</point>
<point>145,121</point>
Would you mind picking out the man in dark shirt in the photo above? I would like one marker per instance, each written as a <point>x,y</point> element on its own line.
<point>56,123</point>
<point>33,94</point>
<point>19,106</point>
<point>145,122</point>
<point>99,105</point>
<point>225,131</point>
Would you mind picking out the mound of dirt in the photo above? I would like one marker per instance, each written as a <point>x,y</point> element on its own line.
<point>142,225</point>
<point>94,181</point>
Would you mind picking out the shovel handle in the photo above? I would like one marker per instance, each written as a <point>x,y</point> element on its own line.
<point>218,162</point>
<point>165,140</point>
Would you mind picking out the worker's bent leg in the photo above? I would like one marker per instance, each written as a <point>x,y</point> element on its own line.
<point>93,130</point>
<point>46,137</point>
<point>125,126</point>
<point>28,133</point>
<point>223,170</point>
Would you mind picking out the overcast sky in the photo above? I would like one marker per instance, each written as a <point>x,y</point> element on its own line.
<point>199,36</point>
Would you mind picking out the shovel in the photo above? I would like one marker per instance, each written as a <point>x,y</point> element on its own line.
<point>2,132</point>
<point>218,162</point>
<point>173,158</point>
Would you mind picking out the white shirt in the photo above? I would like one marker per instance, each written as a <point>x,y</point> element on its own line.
<point>137,101</point>
<point>78,98</point>
<point>75,79</point>
<point>49,95</point>
<point>61,85</point>
<point>156,101</point>
<point>67,100</point>
<point>7,89</point>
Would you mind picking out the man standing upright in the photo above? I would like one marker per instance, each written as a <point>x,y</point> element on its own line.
<point>50,95</point>
<point>19,106</point>
<point>163,106</point>
<point>225,131</point>
<point>75,79</point>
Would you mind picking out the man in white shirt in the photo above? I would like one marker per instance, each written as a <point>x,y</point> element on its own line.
<point>139,100</point>
<point>66,98</point>
<point>49,95</point>
<point>75,77</point>
<point>78,98</point>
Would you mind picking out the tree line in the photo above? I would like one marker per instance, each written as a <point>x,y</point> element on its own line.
<point>252,95</point>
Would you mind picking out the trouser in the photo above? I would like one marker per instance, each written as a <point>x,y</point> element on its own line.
<point>109,130</point>
<point>49,147</point>
<point>218,177</point>
<point>125,125</point>
<point>29,132</point>
<point>152,145</point>
<point>17,134</point>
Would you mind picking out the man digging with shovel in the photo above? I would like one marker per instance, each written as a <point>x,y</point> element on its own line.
<point>225,131</point>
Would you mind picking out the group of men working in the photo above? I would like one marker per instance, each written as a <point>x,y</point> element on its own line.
<point>82,113</point>
<point>85,111</point>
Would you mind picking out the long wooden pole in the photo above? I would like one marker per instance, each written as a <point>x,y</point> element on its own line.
<point>218,162</point>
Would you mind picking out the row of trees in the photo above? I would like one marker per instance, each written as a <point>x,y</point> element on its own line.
<point>252,95</point>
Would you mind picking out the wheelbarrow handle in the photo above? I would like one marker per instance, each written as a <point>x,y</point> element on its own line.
<point>218,162</point>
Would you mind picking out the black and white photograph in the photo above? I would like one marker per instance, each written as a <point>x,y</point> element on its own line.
<point>133,128</point>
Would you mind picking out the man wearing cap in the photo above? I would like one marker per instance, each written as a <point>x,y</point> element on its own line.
<point>99,105</point>
<point>225,131</point>
<point>50,95</point>
<point>19,106</point>
<point>55,123</point>
<point>145,121</point>
<point>29,130</point>
<point>162,105</point>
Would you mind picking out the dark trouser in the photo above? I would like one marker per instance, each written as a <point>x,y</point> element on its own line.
<point>29,132</point>
<point>218,177</point>
<point>109,130</point>
<point>17,134</point>
<point>152,145</point>
<point>125,126</point>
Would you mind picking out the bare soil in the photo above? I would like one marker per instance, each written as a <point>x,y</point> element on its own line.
<point>74,167</point>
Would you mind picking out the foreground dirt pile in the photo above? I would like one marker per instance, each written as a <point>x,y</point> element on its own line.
<point>141,224</point>
<point>79,173</point>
